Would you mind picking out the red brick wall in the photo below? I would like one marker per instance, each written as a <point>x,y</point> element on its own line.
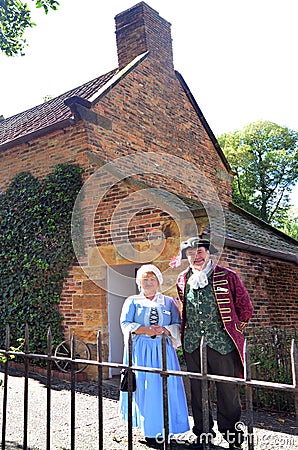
<point>150,113</point>
<point>272,285</point>
<point>41,155</point>
<point>72,317</point>
<point>140,29</point>
<point>123,214</point>
<point>152,99</point>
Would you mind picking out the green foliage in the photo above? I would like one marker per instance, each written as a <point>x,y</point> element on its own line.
<point>15,19</point>
<point>36,252</point>
<point>4,358</point>
<point>180,355</point>
<point>264,157</point>
<point>290,224</point>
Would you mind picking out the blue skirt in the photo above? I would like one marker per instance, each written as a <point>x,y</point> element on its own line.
<point>147,400</point>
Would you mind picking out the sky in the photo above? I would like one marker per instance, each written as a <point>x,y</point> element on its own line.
<point>238,57</point>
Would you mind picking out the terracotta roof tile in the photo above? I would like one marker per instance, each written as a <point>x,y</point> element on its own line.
<point>49,113</point>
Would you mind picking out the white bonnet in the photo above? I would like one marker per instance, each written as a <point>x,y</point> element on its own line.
<point>148,268</point>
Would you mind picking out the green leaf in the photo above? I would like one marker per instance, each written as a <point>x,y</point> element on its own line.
<point>36,252</point>
<point>264,158</point>
<point>15,19</point>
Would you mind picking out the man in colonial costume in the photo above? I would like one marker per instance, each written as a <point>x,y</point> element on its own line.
<point>215,304</point>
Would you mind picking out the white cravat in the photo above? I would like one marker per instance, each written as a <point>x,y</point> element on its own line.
<point>199,278</point>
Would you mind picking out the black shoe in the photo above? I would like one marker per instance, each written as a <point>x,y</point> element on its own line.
<point>234,438</point>
<point>195,446</point>
<point>153,443</point>
<point>198,446</point>
<point>179,444</point>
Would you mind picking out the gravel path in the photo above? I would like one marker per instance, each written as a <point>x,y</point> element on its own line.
<point>272,431</point>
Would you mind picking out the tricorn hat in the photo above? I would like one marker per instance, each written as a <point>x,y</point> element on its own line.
<point>195,242</point>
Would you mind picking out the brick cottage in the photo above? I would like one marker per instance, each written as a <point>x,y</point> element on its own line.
<point>154,176</point>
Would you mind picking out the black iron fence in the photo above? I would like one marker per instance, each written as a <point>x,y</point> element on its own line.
<point>270,354</point>
<point>248,383</point>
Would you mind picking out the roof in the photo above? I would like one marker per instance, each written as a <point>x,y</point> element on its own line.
<point>252,233</point>
<point>247,232</point>
<point>50,113</point>
<point>60,111</point>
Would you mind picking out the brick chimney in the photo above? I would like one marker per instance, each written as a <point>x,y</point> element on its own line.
<point>140,29</point>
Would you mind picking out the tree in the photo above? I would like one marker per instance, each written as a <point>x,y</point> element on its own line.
<point>264,157</point>
<point>290,224</point>
<point>15,18</point>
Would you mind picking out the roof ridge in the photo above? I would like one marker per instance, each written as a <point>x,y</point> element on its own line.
<point>250,216</point>
<point>107,74</point>
<point>49,114</point>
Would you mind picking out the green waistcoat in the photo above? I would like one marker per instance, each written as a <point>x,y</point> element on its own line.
<point>203,319</point>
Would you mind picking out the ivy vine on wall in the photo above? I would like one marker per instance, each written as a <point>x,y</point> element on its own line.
<point>36,252</point>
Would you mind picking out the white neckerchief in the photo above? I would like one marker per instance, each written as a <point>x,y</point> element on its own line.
<point>199,278</point>
<point>158,298</point>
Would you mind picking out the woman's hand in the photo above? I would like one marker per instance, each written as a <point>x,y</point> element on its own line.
<point>156,330</point>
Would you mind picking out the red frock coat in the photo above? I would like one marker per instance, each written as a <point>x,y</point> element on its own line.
<point>233,303</point>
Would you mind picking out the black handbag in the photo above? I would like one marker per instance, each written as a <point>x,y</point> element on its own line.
<point>124,381</point>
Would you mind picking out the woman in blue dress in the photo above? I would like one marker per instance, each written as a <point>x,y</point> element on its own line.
<point>148,315</point>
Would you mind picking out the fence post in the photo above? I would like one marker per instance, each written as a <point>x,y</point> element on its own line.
<point>294,359</point>
<point>205,396</point>
<point>4,408</point>
<point>49,387</point>
<point>26,388</point>
<point>248,392</point>
<point>100,403</point>
<point>165,393</point>
<point>73,392</point>
<point>129,394</point>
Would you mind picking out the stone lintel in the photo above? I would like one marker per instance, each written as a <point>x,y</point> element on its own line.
<point>89,301</point>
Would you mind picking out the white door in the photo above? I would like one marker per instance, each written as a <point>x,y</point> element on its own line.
<point>120,283</point>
